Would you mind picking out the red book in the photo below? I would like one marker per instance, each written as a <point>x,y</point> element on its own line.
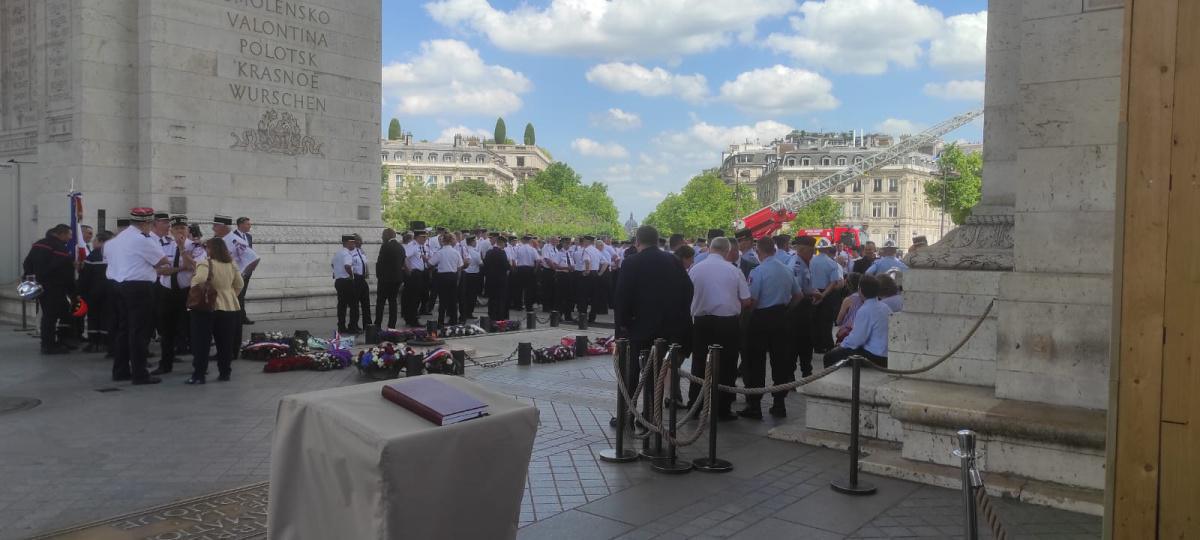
<point>434,400</point>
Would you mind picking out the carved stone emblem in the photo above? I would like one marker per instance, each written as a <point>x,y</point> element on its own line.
<point>982,243</point>
<point>277,134</point>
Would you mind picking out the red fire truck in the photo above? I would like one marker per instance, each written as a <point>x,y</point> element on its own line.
<point>843,234</point>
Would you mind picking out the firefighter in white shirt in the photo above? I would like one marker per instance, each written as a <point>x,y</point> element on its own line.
<point>446,263</point>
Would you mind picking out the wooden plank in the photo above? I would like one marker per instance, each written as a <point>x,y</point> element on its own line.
<point>1179,501</point>
<point>1183,250</point>
<point>1148,96</point>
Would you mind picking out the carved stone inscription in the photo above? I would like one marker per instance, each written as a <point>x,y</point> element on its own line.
<point>281,47</point>
<point>58,68</point>
<point>16,94</point>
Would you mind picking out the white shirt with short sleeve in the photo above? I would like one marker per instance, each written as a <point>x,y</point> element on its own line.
<point>132,257</point>
<point>414,252</point>
<point>718,288</point>
<point>341,259</point>
<point>446,260</point>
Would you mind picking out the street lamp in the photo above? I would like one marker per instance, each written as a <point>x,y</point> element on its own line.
<point>947,174</point>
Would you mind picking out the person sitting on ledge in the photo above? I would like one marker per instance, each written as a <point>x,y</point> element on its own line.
<point>869,336</point>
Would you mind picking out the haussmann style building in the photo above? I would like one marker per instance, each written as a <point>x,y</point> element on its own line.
<point>503,166</point>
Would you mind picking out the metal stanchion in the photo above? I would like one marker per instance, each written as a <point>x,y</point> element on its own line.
<point>712,463</point>
<point>414,365</point>
<point>554,318</point>
<point>671,464</point>
<point>24,315</point>
<point>524,353</point>
<point>460,361</point>
<point>655,448</point>
<point>970,482</point>
<point>852,486</point>
<point>530,320</point>
<point>620,454</point>
<point>581,346</point>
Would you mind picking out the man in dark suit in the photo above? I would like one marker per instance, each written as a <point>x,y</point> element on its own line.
<point>654,295</point>
<point>389,272</point>
<point>495,272</point>
<point>862,264</point>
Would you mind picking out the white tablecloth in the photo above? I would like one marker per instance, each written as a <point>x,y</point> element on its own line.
<point>347,464</point>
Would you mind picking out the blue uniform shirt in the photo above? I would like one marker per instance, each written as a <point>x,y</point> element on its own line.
<point>803,274</point>
<point>870,328</point>
<point>772,284</point>
<point>884,264</point>
<point>699,257</point>
<point>824,271</point>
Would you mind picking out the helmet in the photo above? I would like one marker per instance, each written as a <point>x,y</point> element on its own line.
<point>823,243</point>
<point>81,308</point>
<point>889,244</point>
<point>29,289</point>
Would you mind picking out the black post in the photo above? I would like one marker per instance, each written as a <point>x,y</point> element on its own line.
<point>554,319</point>
<point>619,454</point>
<point>24,310</point>
<point>852,486</point>
<point>524,353</point>
<point>581,346</point>
<point>712,463</point>
<point>530,320</point>
<point>671,464</point>
<point>460,361</point>
<point>414,365</point>
<point>485,323</point>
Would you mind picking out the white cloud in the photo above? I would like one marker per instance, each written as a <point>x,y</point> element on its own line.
<point>962,44</point>
<point>897,127</point>
<point>956,90</point>
<point>711,139</point>
<point>652,194</point>
<point>592,148</point>
<point>611,28</point>
<point>859,36</point>
<point>617,119</point>
<point>449,77</point>
<point>621,77</point>
<point>447,135</point>
<point>780,90</point>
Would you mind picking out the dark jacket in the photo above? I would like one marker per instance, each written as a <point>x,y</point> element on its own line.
<point>860,266</point>
<point>93,279</point>
<point>654,297</point>
<point>51,263</point>
<point>391,264</point>
<point>495,267</point>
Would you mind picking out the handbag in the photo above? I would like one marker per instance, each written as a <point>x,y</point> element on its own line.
<point>203,296</point>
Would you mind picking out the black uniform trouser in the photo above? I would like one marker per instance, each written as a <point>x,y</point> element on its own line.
<point>564,284</point>
<point>823,318</point>
<point>547,289</point>
<point>133,329</point>
<point>242,296</point>
<point>172,308</point>
<point>362,291</point>
<point>210,326</point>
<point>113,313</point>
<point>54,304</point>
<point>386,293</point>
<point>346,300</point>
<point>413,296</point>
<point>525,287</point>
<point>430,293</point>
<point>800,322</point>
<point>98,317</point>
<point>585,294</point>
<point>468,293</point>
<point>497,289</point>
<point>710,330</point>
<point>446,286</point>
<point>840,353</point>
<point>768,334</point>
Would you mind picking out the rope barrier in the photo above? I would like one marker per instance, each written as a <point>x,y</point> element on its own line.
<point>786,387</point>
<point>936,363</point>
<point>656,427</point>
<point>999,532</point>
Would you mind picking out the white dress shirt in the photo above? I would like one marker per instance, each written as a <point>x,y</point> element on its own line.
<point>718,288</point>
<point>344,257</point>
<point>415,253</point>
<point>473,259</point>
<point>132,257</point>
<point>183,277</point>
<point>446,260</point>
<point>525,255</point>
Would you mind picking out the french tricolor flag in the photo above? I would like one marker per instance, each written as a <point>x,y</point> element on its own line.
<point>77,245</point>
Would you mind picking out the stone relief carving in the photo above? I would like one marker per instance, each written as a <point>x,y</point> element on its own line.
<point>982,243</point>
<point>277,134</point>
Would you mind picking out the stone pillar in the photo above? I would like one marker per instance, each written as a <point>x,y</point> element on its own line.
<point>1002,107</point>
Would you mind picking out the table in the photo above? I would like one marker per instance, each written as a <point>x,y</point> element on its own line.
<point>348,464</point>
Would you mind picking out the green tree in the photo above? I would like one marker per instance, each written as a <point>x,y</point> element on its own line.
<point>474,186</point>
<point>530,139</point>
<point>823,213</point>
<point>959,183</point>
<point>501,134</point>
<point>394,132</point>
<point>383,177</point>
<point>706,202</point>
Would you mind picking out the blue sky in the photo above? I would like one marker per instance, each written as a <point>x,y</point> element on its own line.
<point>644,94</point>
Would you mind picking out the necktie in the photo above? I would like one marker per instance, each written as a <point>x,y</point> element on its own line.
<point>362,260</point>
<point>175,276</point>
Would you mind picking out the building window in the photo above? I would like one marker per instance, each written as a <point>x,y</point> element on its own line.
<point>892,234</point>
<point>417,156</point>
<point>447,179</point>
<point>878,185</point>
<point>805,161</point>
<point>893,209</point>
<point>520,161</point>
<point>825,161</point>
<point>791,186</point>
<point>399,179</point>
<point>466,158</point>
<point>856,209</point>
<point>806,182</point>
<point>433,156</point>
<point>841,161</point>
<point>448,158</point>
<point>431,180</point>
<point>384,156</point>
<point>480,159</point>
<point>876,209</point>
<point>858,160</point>
<point>893,185</point>
<point>858,186</point>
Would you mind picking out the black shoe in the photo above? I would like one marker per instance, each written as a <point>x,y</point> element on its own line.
<point>147,380</point>
<point>194,380</point>
<point>753,413</point>
<point>160,371</point>
<point>119,378</point>
<point>223,378</point>
<point>778,411</point>
<point>55,349</point>
<point>354,331</point>
<point>247,321</point>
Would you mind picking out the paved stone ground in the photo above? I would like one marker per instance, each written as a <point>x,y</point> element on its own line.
<point>85,455</point>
